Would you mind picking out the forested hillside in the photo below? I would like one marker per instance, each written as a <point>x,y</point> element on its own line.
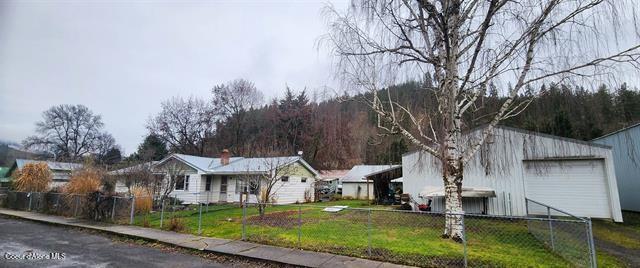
<point>341,132</point>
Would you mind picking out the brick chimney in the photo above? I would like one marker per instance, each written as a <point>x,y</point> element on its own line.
<point>224,157</point>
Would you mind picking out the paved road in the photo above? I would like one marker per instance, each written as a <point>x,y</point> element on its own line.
<point>81,249</point>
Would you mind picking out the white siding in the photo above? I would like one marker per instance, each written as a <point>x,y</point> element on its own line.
<point>350,189</point>
<point>293,190</point>
<point>499,165</point>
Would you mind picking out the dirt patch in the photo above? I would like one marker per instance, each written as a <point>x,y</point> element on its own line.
<point>283,219</point>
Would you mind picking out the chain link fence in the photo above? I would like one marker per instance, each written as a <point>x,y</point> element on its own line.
<point>546,237</point>
<point>561,232</point>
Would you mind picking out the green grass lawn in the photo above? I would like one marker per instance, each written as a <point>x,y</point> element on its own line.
<point>406,238</point>
<point>625,236</point>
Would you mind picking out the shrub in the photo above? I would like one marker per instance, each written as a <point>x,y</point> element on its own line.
<point>84,181</point>
<point>176,225</point>
<point>33,177</point>
<point>307,196</point>
<point>145,222</point>
<point>144,200</point>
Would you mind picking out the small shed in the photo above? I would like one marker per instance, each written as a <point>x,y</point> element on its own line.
<point>370,181</point>
<point>514,164</point>
<point>625,144</point>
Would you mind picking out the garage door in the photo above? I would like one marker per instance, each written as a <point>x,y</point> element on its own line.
<point>577,186</point>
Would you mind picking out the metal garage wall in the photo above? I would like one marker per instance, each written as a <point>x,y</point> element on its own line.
<point>498,165</point>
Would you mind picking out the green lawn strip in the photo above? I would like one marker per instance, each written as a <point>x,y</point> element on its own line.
<point>407,238</point>
<point>624,234</point>
<point>607,260</point>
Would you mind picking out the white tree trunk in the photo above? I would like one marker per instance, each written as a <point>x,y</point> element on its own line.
<point>453,210</point>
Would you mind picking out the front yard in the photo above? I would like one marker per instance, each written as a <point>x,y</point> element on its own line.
<point>406,238</point>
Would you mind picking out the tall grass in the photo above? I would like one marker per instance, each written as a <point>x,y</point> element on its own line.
<point>85,181</point>
<point>33,177</point>
<point>144,200</point>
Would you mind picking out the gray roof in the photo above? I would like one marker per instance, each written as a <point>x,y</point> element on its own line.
<point>238,165</point>
<point>52,164</point>
<point>617,132</point>
<point>360,172</point>
<point>137,167</point>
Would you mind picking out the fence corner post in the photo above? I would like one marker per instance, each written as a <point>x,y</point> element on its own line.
<point>244,221</point>
<point>133,209</point>
<point>369,233</point>
<point>464,239</point>
<point>30,197</point>
<point>592,248</point>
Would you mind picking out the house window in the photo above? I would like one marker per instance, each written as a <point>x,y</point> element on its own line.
<point>182,182</point>
<point>252,186</point>
<point>207,184</point>
<point>284,178</point>
<point>303,179</point>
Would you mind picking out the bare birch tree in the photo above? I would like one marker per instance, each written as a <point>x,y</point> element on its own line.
<point>172,170</point>
<point>463,46</point>
<point>265,177</point>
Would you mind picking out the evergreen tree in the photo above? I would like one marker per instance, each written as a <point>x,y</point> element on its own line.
<point>151,149</point>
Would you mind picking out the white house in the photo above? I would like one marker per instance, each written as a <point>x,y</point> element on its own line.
<point>60,171</point>
<point>514,164</point>
<point>359,182</point>
<point>206,179</point>
<point>625,144</point>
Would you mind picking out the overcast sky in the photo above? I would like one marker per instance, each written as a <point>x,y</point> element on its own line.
<point>122,59</point>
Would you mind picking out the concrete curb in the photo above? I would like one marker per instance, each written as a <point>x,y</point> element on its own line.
<point>255,251</point>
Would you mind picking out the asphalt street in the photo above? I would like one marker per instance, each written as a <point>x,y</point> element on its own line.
<point>30,244</point>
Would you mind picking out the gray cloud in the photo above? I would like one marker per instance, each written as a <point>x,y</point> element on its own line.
<point>122,59</point>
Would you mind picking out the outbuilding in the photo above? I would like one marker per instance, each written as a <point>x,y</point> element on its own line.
<point>370,181</point>
<point>514,165</point>
<point>625,144</point>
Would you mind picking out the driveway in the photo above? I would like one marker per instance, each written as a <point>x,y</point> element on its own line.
<point>54,246</point>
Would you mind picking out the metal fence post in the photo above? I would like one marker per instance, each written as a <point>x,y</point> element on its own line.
<point>464,240</point>
<point>369,233</point>
<point>75,210</point>
<point>299,225</point>
<point>244,221</point>
<point>113,209</point>
<point>173,213</point>
<point>526,207</point>
<point>200,220</point>
<point>592,249</point>
<point>30,196</point>
<point>58,203</point>
<point>162,213</point>
<point>133,207</point>
<point>553,246</point>
<point>97,206</point>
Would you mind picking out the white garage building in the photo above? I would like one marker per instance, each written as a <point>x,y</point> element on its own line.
<point>514,164</point>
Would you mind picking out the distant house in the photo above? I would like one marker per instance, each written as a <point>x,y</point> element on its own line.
<point>331,179</point>
<point>514,164</point>
<point>625,144</point>
<point>5,180</point>
<point>61,171</point>
<point>370,181</point>
<point>128,176</point>
<point>206,179</point>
